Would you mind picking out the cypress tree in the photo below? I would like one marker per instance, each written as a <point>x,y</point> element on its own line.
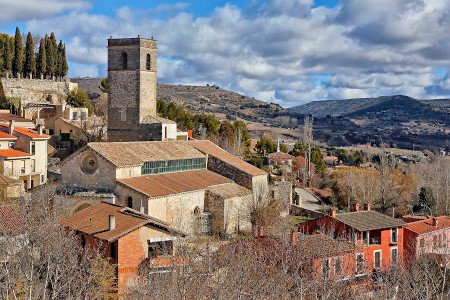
<point>54,54</point>
<point>42,59</point>
<point>65,66</point>
<point>59,65</point>
<point>30,59</point>
<point>18,54</point>
<point>7,56</point>
<point>50,58</point>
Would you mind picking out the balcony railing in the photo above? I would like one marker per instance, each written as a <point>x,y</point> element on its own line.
<point>375,241</point>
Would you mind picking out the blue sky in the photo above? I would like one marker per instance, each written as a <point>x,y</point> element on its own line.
<point>285,51</point>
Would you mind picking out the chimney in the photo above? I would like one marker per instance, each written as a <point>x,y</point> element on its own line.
<point>112,222</point>
<point>333,213</point>
<point>11,127</point>
<point>434,222</point>
<point>90,222</point>
<point>368,207</point>
<point>294,238</point>
<point>357,207</point>
<point>39,129</point>
<point>261,231</point>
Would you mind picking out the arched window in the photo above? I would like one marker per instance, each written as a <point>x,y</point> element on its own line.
<point>149,62</point>
<point>130,202</point>
<point>124,61</point>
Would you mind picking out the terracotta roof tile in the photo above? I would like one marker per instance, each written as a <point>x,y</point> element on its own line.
<point>425,226</point>
<point>28,132</point>
<point>229,190</point>
<point>13,153</point>
<point>7,136</point>
<point>279,156</point>
<point>368,220</point>
<point>212,149</point>
<point>94,221</point>
<point>174,183</point>
<point>9,218</point>
<point>11,117</point>
<point>136,153</point>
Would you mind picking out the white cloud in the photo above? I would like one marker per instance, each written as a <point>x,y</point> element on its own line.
<point>363,47</point>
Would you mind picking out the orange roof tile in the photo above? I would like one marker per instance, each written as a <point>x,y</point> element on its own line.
<point>13,153</point>
<point>174,183</point>
<point>28,132</point>
<point>425,226</point>
<point>7,136</point>
<point>94,221</point>
<point>212,149</point>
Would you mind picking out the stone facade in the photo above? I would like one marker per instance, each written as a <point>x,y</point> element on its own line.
<point>37,90</point>
<point>132,91</point>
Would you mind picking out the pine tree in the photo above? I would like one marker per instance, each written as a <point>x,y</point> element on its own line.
<point>7,56</point>
<point>42,59</point>
<point>18,54</point>
<point>30,59</point>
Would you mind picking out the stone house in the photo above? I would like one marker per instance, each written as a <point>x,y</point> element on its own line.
<point>167,180</point>
<point>135,243</point>
<point>23,154</point>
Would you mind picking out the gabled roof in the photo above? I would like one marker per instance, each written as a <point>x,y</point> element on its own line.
<point>212,149</point>
<point>13,153</point>
<point>229,190</point>
<point>279,156</point>
<point>173,183</point>
<point>368,220</point>
<point>426,226</point>
<point>94,221</point>
<point>123,154</point>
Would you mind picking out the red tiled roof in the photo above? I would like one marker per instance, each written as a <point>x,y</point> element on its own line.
<point>212,149</point>
<point>174,183</point>
<point>28,132</point>
<point>279,156</point>
<point>9,218</point>
<point>368,220</point>
<point>13,153</point>
<point>425,226</point>
<point>11,117</point>
<point>7,136</point>
<point>94,221</point>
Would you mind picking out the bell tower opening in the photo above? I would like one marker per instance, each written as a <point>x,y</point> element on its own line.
<point>124,61</point>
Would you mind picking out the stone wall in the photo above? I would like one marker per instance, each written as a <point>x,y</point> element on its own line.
<point>37,90</point>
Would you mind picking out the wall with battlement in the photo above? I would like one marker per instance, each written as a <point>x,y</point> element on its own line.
<point>37,90</point>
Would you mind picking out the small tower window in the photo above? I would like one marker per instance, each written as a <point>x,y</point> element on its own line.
<point>124,61</point>
<point>130,202</point>
<point>149,62</point>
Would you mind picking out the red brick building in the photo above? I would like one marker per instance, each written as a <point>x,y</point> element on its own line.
<point>132,241</point>
<point>378,238</point>
<point>428,236</point>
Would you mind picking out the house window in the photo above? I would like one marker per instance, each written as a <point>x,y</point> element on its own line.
<point>75,115</point>
<point>160,248</point>
<point>365,237</point>
<point>42,179</point>
<point>149,62</point>
<point>360,263</point>
<point>326,268</point>
<point>338,265</point>
<point>33,148</point>
<point>166,166</point>
<point>394,235</point>
<point>124,61</point>
<point>130,202</point>
<point>83,115</point>
<point>394,256</point>
<point>377,259</point>
<point>422,243</point>
<point>441,240</point>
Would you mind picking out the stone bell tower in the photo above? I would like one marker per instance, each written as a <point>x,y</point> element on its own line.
<point>132,90</point>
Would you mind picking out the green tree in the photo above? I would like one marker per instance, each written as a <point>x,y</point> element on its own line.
<point>78,98</point>
<point>2,93</point>
<point>59,60</point>
<point>426,198</point>
<point>17,66</point>
<point>358,158</point>
<point>7,55</point>
<point>265,145</point>
<point>42,59</point>
<point>283,148</point>
<point>317,159</point>
<point>30,59</point>
<point>104,86</point>
<point>299,149</point>
<point>65,66</point>
<point>50,53</point>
